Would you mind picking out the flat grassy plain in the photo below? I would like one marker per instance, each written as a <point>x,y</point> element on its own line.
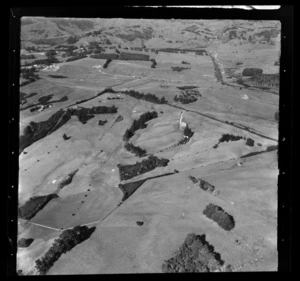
<point>170,206</point>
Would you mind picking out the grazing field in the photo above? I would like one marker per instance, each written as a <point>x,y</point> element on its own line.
<point>166,169</point>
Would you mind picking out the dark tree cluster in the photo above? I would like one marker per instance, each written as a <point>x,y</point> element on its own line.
<point>72,40</point>
<point>147,97</point>
<point>34,205</point>
<point>139,124</point>
<point>45,99</point>
<point>134,56</point>
<point>85,114</point>
<point>105,56</point>
<point>29,74</point>
<point>107,63</point>
<point>218,215</point>
<point>66,241</point>
<point>25,242</point>
<point>149,164</point>
<point>102,122</point>
<point>35,131</point>
<point>250,142</point>
<point>252,72</point>
<point>229,137</point>
<point>185,62</point>
<point>135,149</point>
<point>46,104</point>
<point>129,188</point>
<point>179,68</point>
<point>24,97</point>
<point>65,137</point>
<point>57,76</point>
<point>188,132</point>
<point>194,255</point>
<point>77,57</point>
<point>27,57</point>
<point>266,80</point>
<point>187,96</point>
<point>206,185</point>
<point>154,63</point>
<point>67,180</point>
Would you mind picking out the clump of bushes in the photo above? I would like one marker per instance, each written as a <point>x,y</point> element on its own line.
<point>34,205</point>
<point>185,62</point>
<point>252,72</point>
<point>139,124</point>
<point>218,215</point>
<point>149,164</point>
<point>194,255</point>
<point>66,241</point>
<point>135,149</point>
<point>25,242</point>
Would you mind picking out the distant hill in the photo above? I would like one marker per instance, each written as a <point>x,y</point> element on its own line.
<point>143,33</point>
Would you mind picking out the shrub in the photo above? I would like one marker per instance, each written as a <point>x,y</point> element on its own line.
<point>133,56</point>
